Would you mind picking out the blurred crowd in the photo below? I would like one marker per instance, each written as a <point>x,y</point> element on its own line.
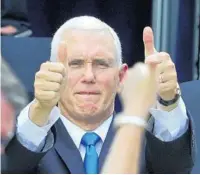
<point>15,18</point>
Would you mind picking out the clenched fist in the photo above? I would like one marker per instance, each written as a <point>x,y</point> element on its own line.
<point>49,83</point>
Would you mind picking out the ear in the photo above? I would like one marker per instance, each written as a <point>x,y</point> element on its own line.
<point>122,74</point>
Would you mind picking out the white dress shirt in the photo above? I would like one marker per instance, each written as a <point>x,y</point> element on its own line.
<point>168,126</point>
<point>77,133</point>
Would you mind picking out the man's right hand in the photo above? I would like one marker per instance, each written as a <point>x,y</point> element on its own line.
<point>49,82</point>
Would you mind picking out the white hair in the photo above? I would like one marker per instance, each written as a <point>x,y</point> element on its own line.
<point>84,22</point>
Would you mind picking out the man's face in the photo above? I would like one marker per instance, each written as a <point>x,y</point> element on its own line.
<point>93,74</point>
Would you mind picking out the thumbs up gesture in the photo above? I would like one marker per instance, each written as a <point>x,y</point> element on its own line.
<point>166,75</point>
<point>50,81</point>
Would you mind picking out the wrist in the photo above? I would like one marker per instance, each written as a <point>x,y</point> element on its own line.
<point>167,108</point>
<point>122,119</point>
<point>171,102</point>
<point>38,114</point>
<point>136,110</point>
<point>130,129</point>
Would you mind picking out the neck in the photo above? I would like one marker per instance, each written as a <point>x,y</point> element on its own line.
<point>88,123</point>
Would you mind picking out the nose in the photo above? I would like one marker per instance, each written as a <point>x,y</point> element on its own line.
<point>89,76</point>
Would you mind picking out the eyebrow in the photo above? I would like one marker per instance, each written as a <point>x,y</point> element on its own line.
<point>76,60</point>
<point>99,59</point>
<point>107,60</point>
<point>110,62</point>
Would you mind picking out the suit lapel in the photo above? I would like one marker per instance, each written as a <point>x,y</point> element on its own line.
<point>67,150</point>
<point>106,145</point>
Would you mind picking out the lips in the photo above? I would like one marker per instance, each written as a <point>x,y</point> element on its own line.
<point>88,96</point>
<point>88,93</point>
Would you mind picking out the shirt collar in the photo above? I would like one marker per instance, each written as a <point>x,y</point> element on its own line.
<point>76,133</point>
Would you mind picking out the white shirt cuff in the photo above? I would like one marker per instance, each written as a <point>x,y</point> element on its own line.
<point>170,125</point>
<point>29,131</point>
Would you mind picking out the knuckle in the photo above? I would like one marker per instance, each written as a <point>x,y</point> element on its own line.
<point>174,76</point>
<point>44,65</point>
<point>37,84</point>
<point>173,65</point>
<point>37,75</point>
<point>170,64</point>
<point>60,78</point>
<point>52,94</point>
<point>165,55</point>
<point>57,86</point>
<point>62,68</point>
<point>38,94</point>
<point>41,74</point>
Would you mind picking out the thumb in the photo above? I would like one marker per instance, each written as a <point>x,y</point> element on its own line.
<point>148,40</point>
<point>62,58</point>
<point>62,52</point>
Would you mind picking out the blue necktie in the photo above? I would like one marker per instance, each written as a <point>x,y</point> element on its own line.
<point>91,160</point>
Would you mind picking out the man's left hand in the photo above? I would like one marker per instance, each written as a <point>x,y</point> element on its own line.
<point>165,69</point>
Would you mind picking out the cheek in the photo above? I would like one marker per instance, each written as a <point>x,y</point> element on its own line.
<point>70,83</point>
<point>110,83</point>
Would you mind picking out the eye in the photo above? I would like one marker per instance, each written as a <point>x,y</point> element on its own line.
<point>101,64</point>
<point>76,63</point>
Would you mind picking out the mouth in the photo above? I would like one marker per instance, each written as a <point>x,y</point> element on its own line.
<point>88,93</point>
<point>88,96</point>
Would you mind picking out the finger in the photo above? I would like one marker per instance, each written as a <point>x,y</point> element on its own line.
<point>54,67</point>
<point>165,66</point>
<point>50,76</point>
<point>47,86</point>
<point>153,62</point>
<point>167,86</point>
<point>148,40</point>
<point>45,95</point>
<point>163,78</point>
<point>153,59</point>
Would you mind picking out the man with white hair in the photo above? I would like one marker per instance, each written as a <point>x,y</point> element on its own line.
<point>68,127</point>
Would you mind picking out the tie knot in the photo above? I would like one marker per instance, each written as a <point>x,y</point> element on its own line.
<point>90,138</point>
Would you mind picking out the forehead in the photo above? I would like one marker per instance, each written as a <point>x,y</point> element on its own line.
<point>89,42</point>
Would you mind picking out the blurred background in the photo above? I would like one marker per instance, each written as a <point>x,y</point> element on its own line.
<point>27,27</point>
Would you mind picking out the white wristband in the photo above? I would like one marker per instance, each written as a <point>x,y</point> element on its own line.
<point>134,120</point>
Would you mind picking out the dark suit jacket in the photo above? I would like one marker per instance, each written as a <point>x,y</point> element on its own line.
<point>156,157</point>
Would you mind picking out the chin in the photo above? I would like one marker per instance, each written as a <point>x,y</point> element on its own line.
<point>88,108</point>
